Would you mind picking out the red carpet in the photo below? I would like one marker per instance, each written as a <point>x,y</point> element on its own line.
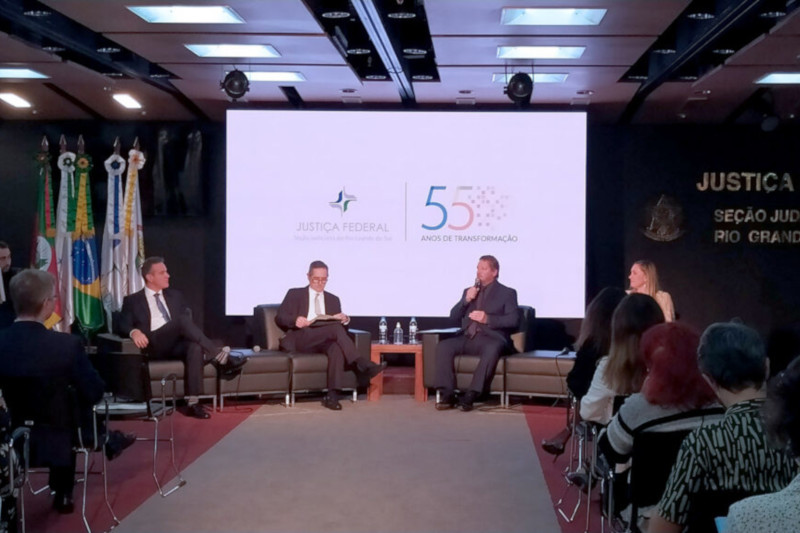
<point>130,480</point>
<point>544,422</point>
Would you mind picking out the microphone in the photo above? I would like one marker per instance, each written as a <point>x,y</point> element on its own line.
<point>477,284</point>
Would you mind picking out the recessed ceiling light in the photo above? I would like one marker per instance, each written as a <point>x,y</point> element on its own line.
<point>265,75</point>
<point>664,50</point>
<point>233,50</point>
<point>779,78</point>
<point>375,77</point>
<point>108,49</point>
<point>14,100</point>
<point>688,77</point>
<point>464,91</point>
<point>540,52</point>
<point>160,75</point>
<point>355,51</point>
<point>113,74</point>
<point>348,91</point>
<point>585,92</point>
<point>187,14</point>
<point>538,77</point>
<point>401,15</point>
<point>53,48</point>
<point>551,16</point>
<point>335,14</point>
<point>422,77</point>
<point>724,51</point>
<point>415,51</point>
<point>637,77</point>
<point>127,101</point>
<point>21,73</point>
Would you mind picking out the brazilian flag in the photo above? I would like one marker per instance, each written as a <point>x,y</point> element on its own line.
<point>85,264</point>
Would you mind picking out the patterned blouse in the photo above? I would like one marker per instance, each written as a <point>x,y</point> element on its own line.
<point>731,455</point>
<point>778,512</point>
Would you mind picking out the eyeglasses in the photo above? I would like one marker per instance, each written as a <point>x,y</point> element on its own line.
<point>319,280</point>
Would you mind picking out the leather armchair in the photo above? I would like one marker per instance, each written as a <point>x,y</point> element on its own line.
<point>465,364</point>
<point>109,343</point>
<point>309,370</point>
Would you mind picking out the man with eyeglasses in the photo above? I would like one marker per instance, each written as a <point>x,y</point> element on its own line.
<point>49,362</point>
<point>313,321</point>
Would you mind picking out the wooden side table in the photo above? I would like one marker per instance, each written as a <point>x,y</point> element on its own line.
<point>376,384</point>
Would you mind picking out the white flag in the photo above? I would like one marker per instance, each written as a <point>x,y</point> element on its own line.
<point>67,198</point>
<point>132,235</point>
<point>113,270</point>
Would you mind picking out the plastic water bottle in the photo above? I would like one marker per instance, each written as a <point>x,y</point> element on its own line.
<point>398,334</point>
<point>383,329</point>
<point>412,331</point>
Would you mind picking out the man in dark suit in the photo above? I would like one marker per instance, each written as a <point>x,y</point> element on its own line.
<point>6,308</point>
<point>488,313</point>
<point>296,316</point>
<point>159,322</point>
<point>29,350</point>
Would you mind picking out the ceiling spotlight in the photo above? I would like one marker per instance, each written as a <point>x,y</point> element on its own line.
<point>235,84</point>
<point>335,14</point>
<point>520,89</point>
<point>108,50</point>
<point>773,9</point>
<point>32,8</point>
<point>401,15</point>
<point>701,10</point>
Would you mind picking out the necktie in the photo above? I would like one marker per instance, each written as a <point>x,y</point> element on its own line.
<point>474,327</point>
<point>317,310</point>
<point>161,307</point>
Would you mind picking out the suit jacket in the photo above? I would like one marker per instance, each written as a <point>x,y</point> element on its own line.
<point>295,304</point>
<point>502,310</point>
<point>29,350</point>
<point>136,313</point>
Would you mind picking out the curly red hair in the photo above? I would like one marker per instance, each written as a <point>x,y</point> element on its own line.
<point>673,377</point>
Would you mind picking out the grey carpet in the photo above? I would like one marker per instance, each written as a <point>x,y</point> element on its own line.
<point>388,466</point>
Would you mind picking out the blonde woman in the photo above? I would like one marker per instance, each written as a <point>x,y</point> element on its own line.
<point>644,280</point>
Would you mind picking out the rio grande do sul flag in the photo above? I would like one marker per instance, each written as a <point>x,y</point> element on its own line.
<point>44,249</point>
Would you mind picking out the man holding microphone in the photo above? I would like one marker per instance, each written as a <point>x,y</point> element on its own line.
<point>487,313</point>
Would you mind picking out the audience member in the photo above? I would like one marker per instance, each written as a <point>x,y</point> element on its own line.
<point>722,462</point>
<point>487,313</point>
<point>593,342</point>
<point>674,396</point>
<point>622,372</point>
<point>29,350</point>
<point>313,321</point>
<point>776,512</point>
<point>783,345</point>
<point>159,322</point>
<point>644,280</point>
<point>6,307</point>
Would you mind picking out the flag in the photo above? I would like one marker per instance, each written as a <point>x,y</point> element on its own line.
<point>65,212</point>
<point>44,239</point>
<point>85,264</point>
<point>133,236</point>
<point>113,270</point>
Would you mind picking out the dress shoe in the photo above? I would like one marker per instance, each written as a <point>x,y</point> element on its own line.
<point>231,368</point>
<point>446,401</point>
<point>467,401</point>
<point>371,369</point>
<point>118,441</point>
<point>557,444</point>
<point>331,401</point>
<point>197,411</point>
<point>63,503</point>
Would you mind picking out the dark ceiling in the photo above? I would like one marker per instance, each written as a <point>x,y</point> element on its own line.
<point>646,62</point>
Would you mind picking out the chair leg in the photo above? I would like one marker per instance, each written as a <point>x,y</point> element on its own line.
<point>180,481</point>
<point>105,491</point>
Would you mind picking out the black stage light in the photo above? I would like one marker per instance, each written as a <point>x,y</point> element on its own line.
<point>520,89</point>
<point>235,84</point>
